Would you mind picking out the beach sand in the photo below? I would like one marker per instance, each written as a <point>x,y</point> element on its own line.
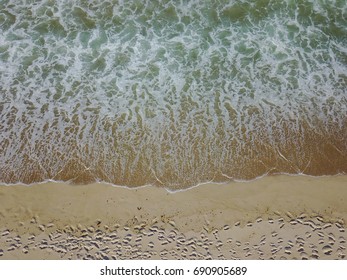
<point>275,217</point>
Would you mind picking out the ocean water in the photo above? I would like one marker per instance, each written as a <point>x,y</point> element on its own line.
<point>171,93</point>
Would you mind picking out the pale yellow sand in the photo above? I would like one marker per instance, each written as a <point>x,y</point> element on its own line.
<point>295,217</point>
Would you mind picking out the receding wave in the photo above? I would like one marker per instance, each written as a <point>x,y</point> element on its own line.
<point>171,93</point>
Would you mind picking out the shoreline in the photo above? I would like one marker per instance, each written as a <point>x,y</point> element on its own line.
<point>230,181</point>
<point>286,206</point>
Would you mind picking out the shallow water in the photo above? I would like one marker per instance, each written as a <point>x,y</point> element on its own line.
<point>171,93</point>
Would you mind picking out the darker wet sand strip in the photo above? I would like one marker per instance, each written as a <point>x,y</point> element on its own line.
<point>291,147</point>
<point>276,217</point>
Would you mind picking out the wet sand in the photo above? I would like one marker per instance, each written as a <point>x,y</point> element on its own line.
<point>275,217</point>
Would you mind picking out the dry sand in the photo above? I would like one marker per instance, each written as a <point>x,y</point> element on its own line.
<point>276,217</point>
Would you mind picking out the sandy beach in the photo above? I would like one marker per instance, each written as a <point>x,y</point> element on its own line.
<point>95,95</point>
<point>275,217</point>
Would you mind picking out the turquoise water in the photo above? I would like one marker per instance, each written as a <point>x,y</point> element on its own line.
<point>171,93</point>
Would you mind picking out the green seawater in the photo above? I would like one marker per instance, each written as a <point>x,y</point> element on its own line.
<point>171,93</point>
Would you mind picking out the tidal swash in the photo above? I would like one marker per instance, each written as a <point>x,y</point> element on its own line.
<point>171,93</point>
